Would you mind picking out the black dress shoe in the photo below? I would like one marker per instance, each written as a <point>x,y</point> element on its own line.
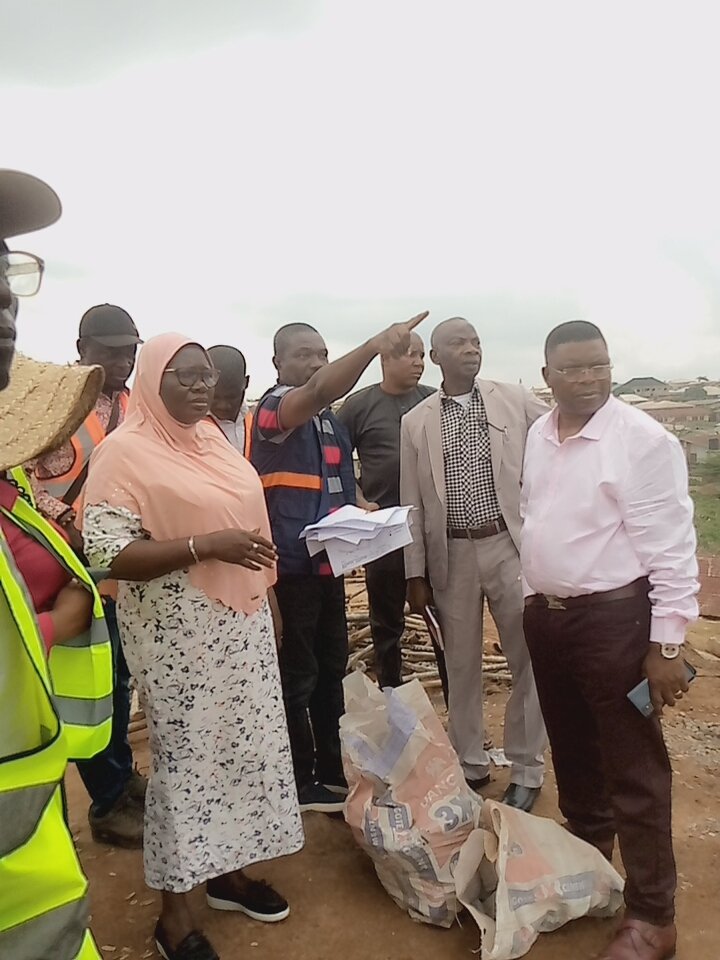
<point>522,798</point>
<point>478,784</point>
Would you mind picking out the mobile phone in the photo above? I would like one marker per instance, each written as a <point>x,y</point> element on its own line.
<point>639,696</point>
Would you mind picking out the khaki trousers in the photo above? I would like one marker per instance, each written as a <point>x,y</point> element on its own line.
<point>478,569</point>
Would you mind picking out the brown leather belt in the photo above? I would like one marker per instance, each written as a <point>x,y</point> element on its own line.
<point>634,589</point>
<point>479,533</point>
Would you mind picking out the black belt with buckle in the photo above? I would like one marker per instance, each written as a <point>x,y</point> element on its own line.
<point>634,589</point>
<point>479,533</point>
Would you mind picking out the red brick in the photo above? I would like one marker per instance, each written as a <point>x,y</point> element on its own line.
<point>709,586</point>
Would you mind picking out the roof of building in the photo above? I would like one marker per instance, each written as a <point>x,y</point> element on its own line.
<point>631,398</point>
<point>677,405</point>
<point>698,439</point>
<point>640,383</point>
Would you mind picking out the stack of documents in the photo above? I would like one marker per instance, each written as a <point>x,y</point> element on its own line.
<point>352,536</point>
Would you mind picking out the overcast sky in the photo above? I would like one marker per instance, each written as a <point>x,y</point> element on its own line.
<point>227,166</point>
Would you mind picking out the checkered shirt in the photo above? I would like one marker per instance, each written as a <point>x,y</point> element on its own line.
<point>469,484</point>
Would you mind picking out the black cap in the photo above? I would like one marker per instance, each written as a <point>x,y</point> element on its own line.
<point>109,325</point>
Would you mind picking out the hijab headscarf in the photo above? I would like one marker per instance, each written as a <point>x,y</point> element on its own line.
<point>181,480</point>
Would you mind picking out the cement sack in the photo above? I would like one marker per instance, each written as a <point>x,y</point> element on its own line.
<point>521,875</point>
<point>408,805</point>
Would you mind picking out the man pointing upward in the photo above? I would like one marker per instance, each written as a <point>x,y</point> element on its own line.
<point>302,453</point>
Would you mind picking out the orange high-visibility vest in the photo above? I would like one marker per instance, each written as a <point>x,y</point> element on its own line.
<point>248,434</point>
<point>247,420</point>
<point>84,440</point>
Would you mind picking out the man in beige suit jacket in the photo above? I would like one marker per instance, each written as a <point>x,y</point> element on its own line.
<point>460,467</point>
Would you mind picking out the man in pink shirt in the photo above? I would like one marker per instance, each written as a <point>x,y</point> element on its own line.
<point>610,578</point>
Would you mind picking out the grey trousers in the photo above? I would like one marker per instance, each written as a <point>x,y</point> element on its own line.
<point>478,569</point>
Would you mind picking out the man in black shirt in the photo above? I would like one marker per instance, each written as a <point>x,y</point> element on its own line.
<point>372,417</point>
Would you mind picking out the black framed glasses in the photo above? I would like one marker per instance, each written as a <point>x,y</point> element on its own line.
<point>189,376</point>
<point>21,272</point>
<point>577,374</point>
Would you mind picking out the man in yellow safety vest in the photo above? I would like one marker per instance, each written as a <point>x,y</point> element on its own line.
<point>52,707</point>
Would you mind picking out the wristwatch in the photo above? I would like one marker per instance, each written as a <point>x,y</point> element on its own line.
<point>670,650</point>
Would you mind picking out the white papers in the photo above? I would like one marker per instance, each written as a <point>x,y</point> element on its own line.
<point>497,755</point>
<point>353,537</point>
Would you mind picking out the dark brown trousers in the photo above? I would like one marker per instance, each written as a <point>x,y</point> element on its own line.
<point>612,768</point>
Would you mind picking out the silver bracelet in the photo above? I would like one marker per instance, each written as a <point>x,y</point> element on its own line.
<point>193,551</point>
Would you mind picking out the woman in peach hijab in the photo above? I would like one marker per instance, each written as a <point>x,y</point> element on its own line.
<point>179,517</point>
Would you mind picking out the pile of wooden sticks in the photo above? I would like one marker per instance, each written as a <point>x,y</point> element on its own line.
<point>418,656</point>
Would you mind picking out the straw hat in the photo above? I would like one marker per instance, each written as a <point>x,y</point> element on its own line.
<point>43,406</point>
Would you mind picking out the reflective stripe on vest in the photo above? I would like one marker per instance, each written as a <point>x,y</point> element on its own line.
<point>21,479</point>
<point>88,435</point>
<point>42,758</point>
<point>44,908</point>
<point>61,934</point>
<point>296,481</point>
<point>80,669</point>
<point>20,811</point>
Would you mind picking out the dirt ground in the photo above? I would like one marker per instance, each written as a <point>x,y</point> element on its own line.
<point>340,910</point>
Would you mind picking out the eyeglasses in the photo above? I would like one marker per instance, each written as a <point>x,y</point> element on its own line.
<point>188,377</point>
<point>577,374</point>
<point>22,273</point>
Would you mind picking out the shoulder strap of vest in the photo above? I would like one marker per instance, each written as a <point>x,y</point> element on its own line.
<point>248,434</point>
<point>73,491</point>
<point>19,478</point>
<point>43,533</point>
<point>114,418</point>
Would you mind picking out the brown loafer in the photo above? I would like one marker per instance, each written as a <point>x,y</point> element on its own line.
<point>637,940</point>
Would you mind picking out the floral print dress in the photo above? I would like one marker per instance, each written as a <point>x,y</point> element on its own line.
<point>221,792</point>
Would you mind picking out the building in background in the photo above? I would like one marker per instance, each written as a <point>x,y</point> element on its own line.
<point>647,387</point>
<point>688,408</point>
<point>699,445</point>
<point>677,415</point>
